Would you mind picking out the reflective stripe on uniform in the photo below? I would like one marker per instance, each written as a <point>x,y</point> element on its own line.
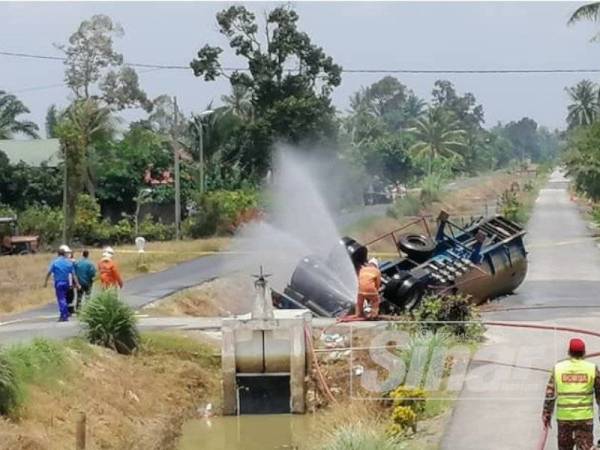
<point>574,380</point>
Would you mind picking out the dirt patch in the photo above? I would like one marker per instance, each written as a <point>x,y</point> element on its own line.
<point>136,402</point>
<point>222,297</point>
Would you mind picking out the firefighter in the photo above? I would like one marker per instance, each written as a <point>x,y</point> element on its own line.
<point>109,273</point>
<point>369,281</point>
<point>572,387</point>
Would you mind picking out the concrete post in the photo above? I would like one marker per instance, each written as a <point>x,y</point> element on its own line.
<point>228,370</point>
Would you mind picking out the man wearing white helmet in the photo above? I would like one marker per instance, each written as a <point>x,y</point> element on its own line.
<point>109,273</point>
<point>63,272</point>
<point>369,282</point>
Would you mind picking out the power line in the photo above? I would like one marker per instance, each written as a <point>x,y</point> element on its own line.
<point>347,70</point>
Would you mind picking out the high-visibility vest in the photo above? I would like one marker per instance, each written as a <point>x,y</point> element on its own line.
<point>574,380</point>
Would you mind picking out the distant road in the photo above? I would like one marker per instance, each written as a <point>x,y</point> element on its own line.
<point>561,288</point>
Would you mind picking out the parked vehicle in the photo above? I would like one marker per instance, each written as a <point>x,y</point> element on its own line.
<point>483,260</point>
<point>13,244</point>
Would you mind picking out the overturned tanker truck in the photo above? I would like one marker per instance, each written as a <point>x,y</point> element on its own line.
<point>483,260</point>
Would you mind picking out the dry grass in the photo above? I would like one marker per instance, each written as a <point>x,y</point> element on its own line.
<point>470,199</point>
<point>221,297</point>
<point>22,277</point>
<point>130,402</point>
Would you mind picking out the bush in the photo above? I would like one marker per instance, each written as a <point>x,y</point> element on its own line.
<point>110,322</point>
<point>221,212</point>
<point>407,206</point>
<point>10,392</point>
<point>359,436</point>
<point>512,208</point>
<point>431,188</point>
<point>155,230</point>
<point>43,221</point>
<point>451,308</point>
<point>36,362</point>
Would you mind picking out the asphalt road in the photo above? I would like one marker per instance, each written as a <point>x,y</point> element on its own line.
<point>501,402</point>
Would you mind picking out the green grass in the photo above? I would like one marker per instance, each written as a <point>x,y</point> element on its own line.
<point>41,362</point>
<point>10,389</point>
<point>111,323</point>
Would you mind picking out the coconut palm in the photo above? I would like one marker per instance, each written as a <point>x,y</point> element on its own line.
<point>584,107</point>
<point>239,101</point>
<point>413,107</point>
<point>438,135</point>
<point>82,125</point>
<point>10,108</point>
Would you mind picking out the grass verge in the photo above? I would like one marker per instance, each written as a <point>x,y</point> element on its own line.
<point>21,277</point>
<point>131,402</point>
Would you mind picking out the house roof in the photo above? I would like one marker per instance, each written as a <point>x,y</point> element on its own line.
<point>32,152</point>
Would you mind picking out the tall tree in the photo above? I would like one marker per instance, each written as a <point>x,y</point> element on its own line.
<point>589,11</point>
<point>289,78</point>
<point>84,123</point>
<point>10,109</point>
<point>437,135</point>
<point>94,69</point>
<point>584,107</point>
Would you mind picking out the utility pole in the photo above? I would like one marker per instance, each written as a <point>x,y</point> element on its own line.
<point>65,187</point>
<point>201,157</point>
<point>175,134</point>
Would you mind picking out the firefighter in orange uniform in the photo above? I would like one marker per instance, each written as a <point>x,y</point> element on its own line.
<point>369,282</point>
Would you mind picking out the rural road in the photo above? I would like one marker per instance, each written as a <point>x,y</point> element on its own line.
<point>500,406</point>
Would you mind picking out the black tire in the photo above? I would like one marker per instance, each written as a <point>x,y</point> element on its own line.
<point>417,247</point>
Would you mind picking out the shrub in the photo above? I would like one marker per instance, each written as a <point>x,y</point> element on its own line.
<point>403,419</point>
<point>43,221</point>
<point>413,398</point>
<point>36,362</point>
<point>512,208</point>
<point>406,206</point>
<point>359,436</point>
<point>155,230</point>
<point>10,392</point>
<point>451,308</point>
<point>431,188</point>
<point>221,212</point>
<point>110,322</point>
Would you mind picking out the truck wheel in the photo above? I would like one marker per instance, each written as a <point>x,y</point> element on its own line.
<point>417,247</point>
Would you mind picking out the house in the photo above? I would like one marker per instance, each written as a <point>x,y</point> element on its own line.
<point>33,152</point>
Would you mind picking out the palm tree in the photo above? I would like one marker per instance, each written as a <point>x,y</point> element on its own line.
<point>239,101</point>
<point>413,108</point>
<point>82,125</point>
<point>10,108</point>
<point>438,136</point>
<point>584,109</point>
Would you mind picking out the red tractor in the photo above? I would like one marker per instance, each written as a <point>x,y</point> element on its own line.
<point>13,244</point>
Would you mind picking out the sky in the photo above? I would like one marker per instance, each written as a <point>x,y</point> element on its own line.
<point>358,35</point>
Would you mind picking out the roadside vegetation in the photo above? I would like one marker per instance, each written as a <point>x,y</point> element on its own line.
<point>134,402</point>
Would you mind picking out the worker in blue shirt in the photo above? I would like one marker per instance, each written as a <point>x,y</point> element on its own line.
<point>63,272</point>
